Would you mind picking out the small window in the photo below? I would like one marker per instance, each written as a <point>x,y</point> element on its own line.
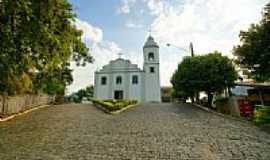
<point>151,56</point>
<point>135,79</point>
<point>118,80</point>
<point>152,70</point>
<point>103,80</point>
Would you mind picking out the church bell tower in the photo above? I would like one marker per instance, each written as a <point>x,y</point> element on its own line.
<point>151,69</point>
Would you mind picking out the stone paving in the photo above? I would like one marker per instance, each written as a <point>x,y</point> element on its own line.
<point>149,131</point>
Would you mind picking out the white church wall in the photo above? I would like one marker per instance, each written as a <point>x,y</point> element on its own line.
<point>135,90</point>
<point>102,91</point>
<point>152,80</point>
<point>119,87</point>
<point>152,84</point>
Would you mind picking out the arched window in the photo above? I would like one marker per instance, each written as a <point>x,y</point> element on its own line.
<point>151,56</point>
<point>118,80</point>
<point>103,80</point>
<point>135,79</point>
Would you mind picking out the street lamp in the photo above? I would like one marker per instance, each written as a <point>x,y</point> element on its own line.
<point>181,48</point>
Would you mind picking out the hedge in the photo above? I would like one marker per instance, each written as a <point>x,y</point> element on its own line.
<point>262,114</point>
<point>114,105</point>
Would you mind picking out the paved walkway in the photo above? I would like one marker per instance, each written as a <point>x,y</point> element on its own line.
<point>149,131</point>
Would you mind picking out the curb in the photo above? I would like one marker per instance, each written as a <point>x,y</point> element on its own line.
<point>115,112</point>
<point>207,109</point>
<point>22,113</point>
<point>220,114</point>
<point>123,109</point>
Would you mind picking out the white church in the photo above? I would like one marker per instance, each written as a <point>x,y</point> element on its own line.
<point>120,79</point>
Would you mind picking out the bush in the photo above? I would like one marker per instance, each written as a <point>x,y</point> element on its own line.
<point>262,115</point>
<point>114,105</point>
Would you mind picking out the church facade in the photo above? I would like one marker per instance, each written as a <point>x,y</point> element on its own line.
<point>120,79</point>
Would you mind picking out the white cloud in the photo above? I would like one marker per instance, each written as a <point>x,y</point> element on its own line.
<point>156,6</point>
<point>209,24</point>
<point>90,33</point>
<point>126,6</point>
<point>131,24</point>
<point>103,51</point>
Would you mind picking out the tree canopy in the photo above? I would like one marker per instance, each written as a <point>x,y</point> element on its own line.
<point>78,96</point>
<point>209,73</point>
<point>254,51</point>
<point>38,41</point>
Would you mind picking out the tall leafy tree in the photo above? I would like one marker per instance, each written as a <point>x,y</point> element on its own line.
<point>210,73</point>
<point>186,79</point>
<point>217,73</point>
<point>39,41</point>
<point>254,51</point>
<point>14,50</point>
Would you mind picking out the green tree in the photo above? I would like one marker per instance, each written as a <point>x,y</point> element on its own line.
<point>217,73</point>
<point>87,92</point>
<point>38,41</point>
<point>254,51</point>
<point>14,52</point>
<point>185,79</point>
<point>209,73</point>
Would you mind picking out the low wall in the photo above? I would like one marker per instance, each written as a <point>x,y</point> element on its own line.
<point>233,105</point>
<point>19,103</point>
<point>1,104</point>
<point>229,106</point>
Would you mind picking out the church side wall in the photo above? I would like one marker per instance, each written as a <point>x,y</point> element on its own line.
<point>95,85</point>
<point>135,90</point>
<point>101,91</point>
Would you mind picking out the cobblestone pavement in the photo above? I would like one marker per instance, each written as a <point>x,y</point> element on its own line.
<point>149,131</point>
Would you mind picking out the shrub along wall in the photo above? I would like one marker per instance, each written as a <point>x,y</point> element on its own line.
<point>19,103</point>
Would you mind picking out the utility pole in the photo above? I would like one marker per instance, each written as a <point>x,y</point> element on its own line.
<point>191,49</point>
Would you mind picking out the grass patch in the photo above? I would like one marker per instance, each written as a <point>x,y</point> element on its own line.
<point>114,105</point>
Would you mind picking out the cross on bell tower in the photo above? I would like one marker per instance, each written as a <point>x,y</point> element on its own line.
<point>150,31</point>
<point>120,55</point>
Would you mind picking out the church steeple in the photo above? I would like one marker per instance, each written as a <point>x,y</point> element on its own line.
<point>151,51</point>
<point>151,69</point>
<point>150,43</point>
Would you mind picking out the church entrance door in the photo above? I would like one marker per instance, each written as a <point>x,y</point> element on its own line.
<point>118,94</point>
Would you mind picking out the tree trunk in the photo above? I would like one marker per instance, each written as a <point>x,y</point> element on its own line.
<point>197,97</point>
<point>192,99</point>
<point>13,17</point>
<point>226,92</point>
<point>229,91</point>
<point>261,97</point>
<point>210,98</point>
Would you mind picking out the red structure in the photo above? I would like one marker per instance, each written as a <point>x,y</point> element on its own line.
<point>245,107</point>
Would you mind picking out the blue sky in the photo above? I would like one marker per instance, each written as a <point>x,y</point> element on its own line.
<point>105,14</point>
<point>113,26</point>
